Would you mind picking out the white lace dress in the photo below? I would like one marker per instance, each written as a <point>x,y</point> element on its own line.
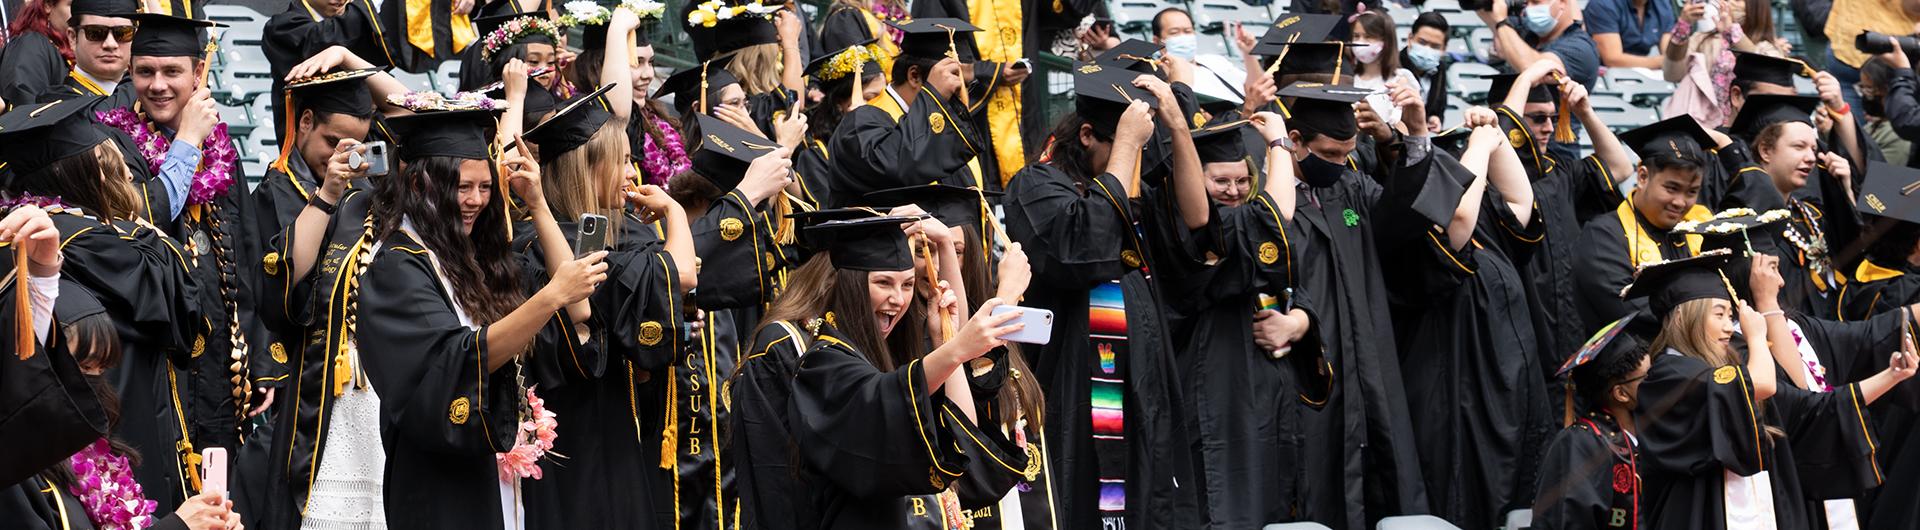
<point>347,488</point>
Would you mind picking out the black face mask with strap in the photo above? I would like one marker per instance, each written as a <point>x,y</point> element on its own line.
<point>1320,173</point>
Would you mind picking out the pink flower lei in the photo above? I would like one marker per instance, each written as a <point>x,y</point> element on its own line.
<point>217,154</point>
<point>662,162</point>
<point>533,443</point>
<point>885,12</point>
<point>9,202</point>
<point>104,483</point>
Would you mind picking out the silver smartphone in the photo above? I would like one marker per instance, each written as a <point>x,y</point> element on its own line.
<point>375,161</point>
<point>1039,323</point>
<point>590,235</point>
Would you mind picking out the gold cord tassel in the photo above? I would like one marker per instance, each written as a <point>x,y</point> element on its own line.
<point>670,433</point>
<point>23,340</point>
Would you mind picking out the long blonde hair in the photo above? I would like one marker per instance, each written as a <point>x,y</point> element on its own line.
<point>579,180</point>
<point>758,67</point>
<point>1684,331</point>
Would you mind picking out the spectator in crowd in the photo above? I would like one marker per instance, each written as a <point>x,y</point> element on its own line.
<point>1812,18</point>
<point>1880,78</point>
<point>1699,58</point>
<point>37,50</point>
<point>1628,32</point>
<point>1377,51</point>
<point>1544,27</point>
<point>1426,57</point>
<point>1173,28</point>
<point>1845,22</point>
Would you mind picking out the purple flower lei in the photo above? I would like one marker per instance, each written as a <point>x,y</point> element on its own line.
<point>664,161</point>
<point>104,484</point>
<point>9,202</point>
<point>215,174</point>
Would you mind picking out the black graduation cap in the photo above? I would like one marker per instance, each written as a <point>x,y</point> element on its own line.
<point>34,137</point>
<point>464,134</point>
<point>487,24</point>
<point>1297,28</point>
<point>739,31</point>
<point>685,85</point>
<point>572,126</point>
<point>594,36</point>
<point>339,92</point>
<point>1542,92</point>
<point>1667,284</point>
<point>1134,54</point>
<point>170,36</point>
<point>75,302</point>
<point>814,217</point>
<point>952,205</point>
<point>834,36</point>
<point>1595,345</point>
<point>870,244</point>
<point>1678,137</point>
<point>1891,191</point>
<point>842,62</point>
<point>1453,140</point>
<point>1764,110</point>
<point>1102,94</point>
<point>725,151</point>
<point>933,38</point>
<point>1440,193</point>
<point>1765,68</point>
<point>105,8</point>
<point>536,103</point>
<point>1323,108</point>
<point>1224,142</point>
<point>1327,60</point>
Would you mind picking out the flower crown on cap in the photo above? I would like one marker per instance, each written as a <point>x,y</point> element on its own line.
<point>711,12</point>
<point>845,63</point>
<point>513,31</point>
<point>591,13</point>
<point>434,101</point>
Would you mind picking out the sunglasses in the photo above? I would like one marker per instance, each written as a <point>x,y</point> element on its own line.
<point>1539,117</point>
<point>98,33</point>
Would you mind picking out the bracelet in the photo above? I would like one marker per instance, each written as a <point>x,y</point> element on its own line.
<point>321,204</point>
<point>1775,312</point>
<point>1845,108</point>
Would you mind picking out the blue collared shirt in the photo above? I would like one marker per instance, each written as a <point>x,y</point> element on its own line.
<point>176,173</point>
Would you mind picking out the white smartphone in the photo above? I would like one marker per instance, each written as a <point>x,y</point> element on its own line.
<point>213,470</point>
<point>1039,323</point>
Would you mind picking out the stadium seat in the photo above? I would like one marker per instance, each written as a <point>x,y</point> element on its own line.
<point>1296,526</point>
<point>1469,81</point>
<point>1518,520</point>
<point>1415,522</point>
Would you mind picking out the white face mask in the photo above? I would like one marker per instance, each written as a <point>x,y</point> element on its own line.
<point>1366,52</point>
<point>1539,18</point>
<point>1183,46</point>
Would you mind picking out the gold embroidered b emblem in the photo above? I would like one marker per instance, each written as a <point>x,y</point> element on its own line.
<point>457,412</point>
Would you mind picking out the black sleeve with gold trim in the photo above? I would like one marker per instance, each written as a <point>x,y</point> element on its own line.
<point>871,434</point>
<point>735,244</point>
<point>1072,238</point>
<point>929,143</point>
<point>640,308</point>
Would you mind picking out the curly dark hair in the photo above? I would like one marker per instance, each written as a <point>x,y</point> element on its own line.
<point>479,265</point>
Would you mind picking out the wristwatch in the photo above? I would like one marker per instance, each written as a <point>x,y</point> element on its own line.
<point>321,204</point>
<point>1283,143</point>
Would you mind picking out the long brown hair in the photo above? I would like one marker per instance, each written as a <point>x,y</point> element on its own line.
<point>818,289</point>
<point>479,265</point>
<point>1020,394</point>
<point>1378,26</point>
<point>100,184</point>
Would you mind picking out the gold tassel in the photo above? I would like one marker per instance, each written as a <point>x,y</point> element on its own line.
<point>1562,124</point>
<point>1568,418</point>
<point>23,340</point>
<point>670,434</point>
<point>783,228</point>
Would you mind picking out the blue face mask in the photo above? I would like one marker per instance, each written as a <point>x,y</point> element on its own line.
<point>1423,58</point>
<point>1183,46</point>
<point>1539,18</point>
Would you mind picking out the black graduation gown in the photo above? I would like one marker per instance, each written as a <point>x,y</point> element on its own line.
<point>1697,422</point>
<point>143,279</point>
<point>1569,194</point>
<point>880,146</point>
<point>1035,493</point>
<point>1852,351</point>
<point>37,504</point>
<point>122,95</point>
<point>814,172</point>
<point>1246,404</point>
<point>1479,403</point>
<point>214,237</point>
<point>1872,289</point>
<point>300,32</point>
<point>1588,478</point>
<point>769,477</point>
<point>605,479</point>
<point>1604,265</point>
<point>1081,240</point>
<point>1825,223</point>
<point>1361,462</point>
<point>877,444</point>
<point>33,66</point>
<point>313,312</point>
<point>443,415</point>
<point>439,26</point>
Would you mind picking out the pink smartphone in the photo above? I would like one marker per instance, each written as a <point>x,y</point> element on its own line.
<point>213,470</point>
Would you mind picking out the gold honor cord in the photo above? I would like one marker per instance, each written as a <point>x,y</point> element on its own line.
<point>23,339</point>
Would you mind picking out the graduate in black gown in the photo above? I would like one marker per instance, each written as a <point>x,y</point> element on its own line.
<point>1589,477</point>
<point>1569,192</point>
<point>207,211</point>
<point>1115,404</point>
<point>50,406</point>
<point>1252,367</point>
<point>1721,440</point>
<point>1673,169</point>
<point>917,133</point>
<point>606,479</point>
<point>459,335</point>
<point>882,434</point>
<point>36,62</point>
<point>421,35</point>
<point>1887,277</point>
<point>1785,146</point>
<point>849,77</point>
<point>139,274</point>
<point>309,26</point>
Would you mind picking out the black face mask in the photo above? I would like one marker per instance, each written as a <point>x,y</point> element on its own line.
<point>1320,173</point>
<point>1875,107</point>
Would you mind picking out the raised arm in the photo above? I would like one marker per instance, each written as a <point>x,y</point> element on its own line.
<point>1189,184</point>
<point>1606,147</point>
<point>1761,326</point>
<point>793,63</point>
<point>1281,183</point>
<point>524,178</point>
<point>1466,215</point>
<point>1506,174</point>
<point>616,64</point>
<point>310,228</point>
